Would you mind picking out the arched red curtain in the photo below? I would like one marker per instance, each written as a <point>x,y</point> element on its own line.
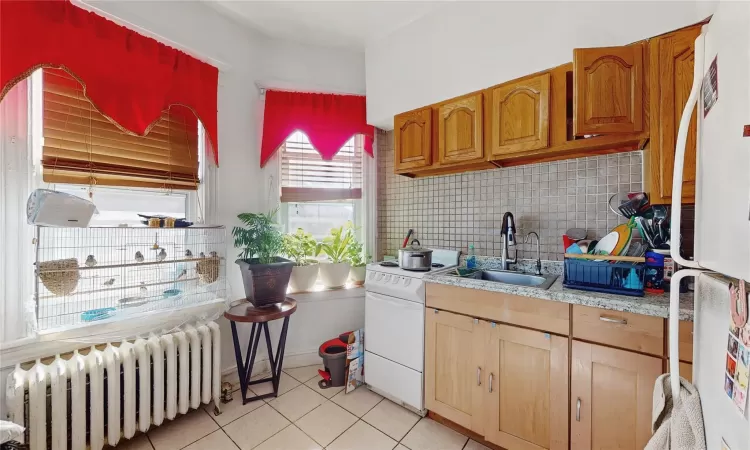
<point>328,120</point>
<point>129,77</point>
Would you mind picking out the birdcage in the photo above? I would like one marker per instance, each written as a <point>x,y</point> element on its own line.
<point>92,274</point>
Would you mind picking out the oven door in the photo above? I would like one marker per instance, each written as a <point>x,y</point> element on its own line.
<point>394,329</point>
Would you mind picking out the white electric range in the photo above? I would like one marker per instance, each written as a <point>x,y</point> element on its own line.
<point>394,329</point>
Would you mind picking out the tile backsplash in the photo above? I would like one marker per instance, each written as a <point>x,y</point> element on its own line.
<point>453,211</point>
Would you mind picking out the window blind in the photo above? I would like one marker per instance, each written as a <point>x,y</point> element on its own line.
<point>82,146</point>
<point>307,177</point>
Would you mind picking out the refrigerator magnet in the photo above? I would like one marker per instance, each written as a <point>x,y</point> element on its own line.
<point>738,303</point>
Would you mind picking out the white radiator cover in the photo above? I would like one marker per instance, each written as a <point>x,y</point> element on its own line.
<point>196,348</point>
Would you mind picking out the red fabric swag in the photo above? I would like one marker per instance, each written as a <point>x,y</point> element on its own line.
<point>328,120</point>
<point>130,78</point>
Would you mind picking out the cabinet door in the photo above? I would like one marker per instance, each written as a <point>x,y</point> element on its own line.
<point>413,139</point>
<point>527,389</point>
<point>608,89</point>
<point>520,115</point>
<point>454,367</point>
<point>611,395</point>
<point>460,134</point>
<point>672,59</point>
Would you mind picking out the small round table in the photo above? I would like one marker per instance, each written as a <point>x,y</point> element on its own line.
<point>259,317</point>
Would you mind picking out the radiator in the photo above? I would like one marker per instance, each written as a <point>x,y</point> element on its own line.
<point>73,403</point>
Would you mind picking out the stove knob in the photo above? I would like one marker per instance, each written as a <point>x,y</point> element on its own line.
<point>407,281</point>
<point>395,280</point>
<point>387,278</point>
<point>370,275</point>
<point>378,277</point>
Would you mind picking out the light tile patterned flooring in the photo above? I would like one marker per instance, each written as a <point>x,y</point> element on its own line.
<point>303,417</point>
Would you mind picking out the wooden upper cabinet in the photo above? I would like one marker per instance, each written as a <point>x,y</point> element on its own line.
<point>527,396</point>
<point>454,367</point>
<point>611,393</point>
<point>520,115</point>
<point>672,58</point>
<point>460,136</point>
<point>413,139</point>
<point>608,89</point>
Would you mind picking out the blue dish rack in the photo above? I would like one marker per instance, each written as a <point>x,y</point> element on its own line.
<point>611,277</point>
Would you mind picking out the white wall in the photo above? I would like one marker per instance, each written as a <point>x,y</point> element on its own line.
<point>465,46</point>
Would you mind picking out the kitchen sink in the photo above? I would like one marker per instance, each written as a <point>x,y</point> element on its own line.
<point>515,278</point>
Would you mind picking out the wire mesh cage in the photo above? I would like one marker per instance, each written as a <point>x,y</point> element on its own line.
<point>90,274</point>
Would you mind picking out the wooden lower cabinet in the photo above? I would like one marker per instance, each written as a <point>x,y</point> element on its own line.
<point>454,363</point>
<point>526,396</point>
<point>611,397</point>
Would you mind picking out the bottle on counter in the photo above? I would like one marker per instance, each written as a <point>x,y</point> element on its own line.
<point>654,273</point>
<point>471,258</point>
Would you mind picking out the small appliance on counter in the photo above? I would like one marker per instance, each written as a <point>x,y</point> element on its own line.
<point>394,327</point>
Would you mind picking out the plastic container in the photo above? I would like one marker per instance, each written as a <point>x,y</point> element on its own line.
<point>623,278</point>
<point>471,259</point>
<point>654,273</point>
<point>333,353</point>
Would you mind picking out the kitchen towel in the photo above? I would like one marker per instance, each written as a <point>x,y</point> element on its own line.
<point>676,426</point>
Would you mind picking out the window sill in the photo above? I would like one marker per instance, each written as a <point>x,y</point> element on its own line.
<point>51,342</point>
<point>320,293</point>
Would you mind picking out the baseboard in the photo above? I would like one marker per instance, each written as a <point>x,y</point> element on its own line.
<point>261,366</point>
<point>302,359</point>
<point>229,374</point>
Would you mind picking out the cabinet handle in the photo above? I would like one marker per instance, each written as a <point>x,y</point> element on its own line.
<point>479,376</point>
<point>578,410</point>
<point>490,388</point>
<point>613,320</point>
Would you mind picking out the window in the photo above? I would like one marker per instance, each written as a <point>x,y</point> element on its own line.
<point>83,153</point>
<point>316,194</point>
<point>82,146</point>
<point>52,137</point>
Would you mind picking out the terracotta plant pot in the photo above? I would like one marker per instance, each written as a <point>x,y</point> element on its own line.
<point>265,284</point>
<point>334,275</point>
<point>357,275</point>
<point>304,277</point>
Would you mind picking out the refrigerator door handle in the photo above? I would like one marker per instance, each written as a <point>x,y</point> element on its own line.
<point>674,326</point>
<point>679,155</point>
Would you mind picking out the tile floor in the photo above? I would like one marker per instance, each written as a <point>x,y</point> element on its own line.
<point>303,417</point>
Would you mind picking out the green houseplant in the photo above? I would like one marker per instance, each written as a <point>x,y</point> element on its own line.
<point>357,261</point>
<point>301,248</point>
<point>265,274</point>
<point>335,246</point>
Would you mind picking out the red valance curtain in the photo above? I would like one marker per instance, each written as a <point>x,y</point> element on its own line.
<point>130,78</point>
<point>328,120</point>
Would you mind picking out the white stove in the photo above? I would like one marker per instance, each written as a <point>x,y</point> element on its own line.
<point>394,330</point>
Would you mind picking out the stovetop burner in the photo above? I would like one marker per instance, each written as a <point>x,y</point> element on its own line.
<point>395,264</point>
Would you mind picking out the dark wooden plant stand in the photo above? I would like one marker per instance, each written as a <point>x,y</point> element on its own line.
<point>259,317</point>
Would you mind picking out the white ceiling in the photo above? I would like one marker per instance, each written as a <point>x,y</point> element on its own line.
<point>348,24</point>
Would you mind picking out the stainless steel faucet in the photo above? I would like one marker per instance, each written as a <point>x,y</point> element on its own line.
<point>538,252</point>
<point>507,233</point>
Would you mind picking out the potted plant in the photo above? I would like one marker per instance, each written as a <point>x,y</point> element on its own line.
<point>301,247</point>
<point>265,274</point>
<point>357,261</point>
<point>335,271</point>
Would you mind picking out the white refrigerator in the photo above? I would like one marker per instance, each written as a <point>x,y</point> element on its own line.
<point>721,88</point>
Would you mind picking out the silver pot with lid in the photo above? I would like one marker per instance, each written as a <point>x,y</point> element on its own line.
<point>415,257</point>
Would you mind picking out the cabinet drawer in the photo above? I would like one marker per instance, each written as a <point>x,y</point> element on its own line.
<point>398,382</point>
<point>527,312</point>
<point>619,329</point>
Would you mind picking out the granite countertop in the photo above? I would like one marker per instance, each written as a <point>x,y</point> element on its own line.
<point>650,305</point>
